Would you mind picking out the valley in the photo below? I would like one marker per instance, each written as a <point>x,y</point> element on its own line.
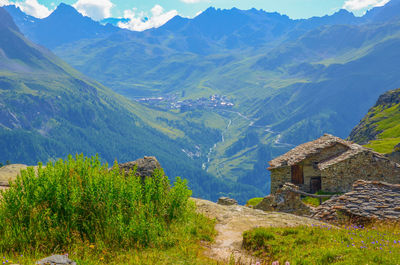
<point>232,98</point>
<point>230,136</point>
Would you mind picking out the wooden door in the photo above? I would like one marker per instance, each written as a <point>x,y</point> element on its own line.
<point>315,184</point>
<point>297,174</point>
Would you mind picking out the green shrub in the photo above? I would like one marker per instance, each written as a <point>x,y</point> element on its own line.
<point>80,200</point>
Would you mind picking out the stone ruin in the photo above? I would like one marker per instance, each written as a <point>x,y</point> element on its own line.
<point>285,200</point>
<point>367,201</point>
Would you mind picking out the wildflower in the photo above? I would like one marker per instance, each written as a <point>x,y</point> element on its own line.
<point>287,263</point>
<point>91,246</point>
<point>275,263</point>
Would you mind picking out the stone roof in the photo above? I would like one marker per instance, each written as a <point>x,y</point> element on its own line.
<point>368,199</point>
<point>306,150</point>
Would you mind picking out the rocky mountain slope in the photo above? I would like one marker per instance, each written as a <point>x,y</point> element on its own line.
<point>380,128</point>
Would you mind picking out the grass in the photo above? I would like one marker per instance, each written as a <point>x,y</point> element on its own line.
<point>386,122</point>
<point>375,244</point>
<point>315,201</point>
<point>185,250</point>
<point>99,216</point>
<point>384,146</point>
<point>254,201</point>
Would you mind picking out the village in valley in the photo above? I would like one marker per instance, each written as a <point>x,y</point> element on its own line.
<point>172,102</point>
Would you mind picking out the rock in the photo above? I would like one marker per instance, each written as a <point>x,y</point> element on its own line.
<point>56,260</point>
<point>145,166</point>
<point>226,201</point>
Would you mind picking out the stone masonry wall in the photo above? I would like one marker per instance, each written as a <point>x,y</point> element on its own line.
<point>280,176</point>
<point>367,166</point>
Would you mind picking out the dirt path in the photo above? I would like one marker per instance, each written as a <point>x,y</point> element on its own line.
<point>232,221</point>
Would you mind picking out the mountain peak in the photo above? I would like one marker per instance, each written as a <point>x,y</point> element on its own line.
<point>65,10</point>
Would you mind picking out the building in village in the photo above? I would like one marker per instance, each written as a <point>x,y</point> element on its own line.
<point>331,164</point>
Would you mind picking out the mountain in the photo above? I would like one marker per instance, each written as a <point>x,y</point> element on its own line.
<point>388,12</point>
<point>289,81</point>
<point>64,25</point>
<point>380,128</point>
<point>49,110</point>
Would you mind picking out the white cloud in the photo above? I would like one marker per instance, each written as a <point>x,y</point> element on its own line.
<point>33,8</point>
<point>140,21</point>
<point>355,5</point>
<point>198,13</point>
<point>4,3</point>
<point>96,9</point>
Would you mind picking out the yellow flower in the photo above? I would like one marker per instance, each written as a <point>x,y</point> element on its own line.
<point>91,246</point>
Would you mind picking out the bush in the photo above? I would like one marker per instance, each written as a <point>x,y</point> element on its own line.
<point>80,200</point>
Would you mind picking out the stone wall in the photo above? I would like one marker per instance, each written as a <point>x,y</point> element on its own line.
<point>285,200</point>
<point>365,165</point>
<point>367,200</point>
<point>395,156</point>
<point>279,176</point>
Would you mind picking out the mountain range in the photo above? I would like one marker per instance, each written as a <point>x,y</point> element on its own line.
<point>290,80</point>
<point>49,110</point>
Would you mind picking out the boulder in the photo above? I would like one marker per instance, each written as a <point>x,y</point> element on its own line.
<point>226,201</point>
<point>56,260</point>
<point>145,166</point>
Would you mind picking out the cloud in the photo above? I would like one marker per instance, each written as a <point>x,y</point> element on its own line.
<point>31,7</point>
<point>140,21</point>
<point>96,9</point>
<point>355,5</point>
<point>4,3</point>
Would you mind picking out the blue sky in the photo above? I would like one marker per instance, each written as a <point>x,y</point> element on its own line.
<point>153,13</point>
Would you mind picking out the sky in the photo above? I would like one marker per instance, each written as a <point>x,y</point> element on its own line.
<point>144,14</point>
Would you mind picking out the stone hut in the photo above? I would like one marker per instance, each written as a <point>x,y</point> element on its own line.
<point>331,164</point>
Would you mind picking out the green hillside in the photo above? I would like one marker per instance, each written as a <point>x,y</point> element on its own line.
<point>49,110</point>
<point>290,81</point>
<point>380,128</point>
<point>286,91</point>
